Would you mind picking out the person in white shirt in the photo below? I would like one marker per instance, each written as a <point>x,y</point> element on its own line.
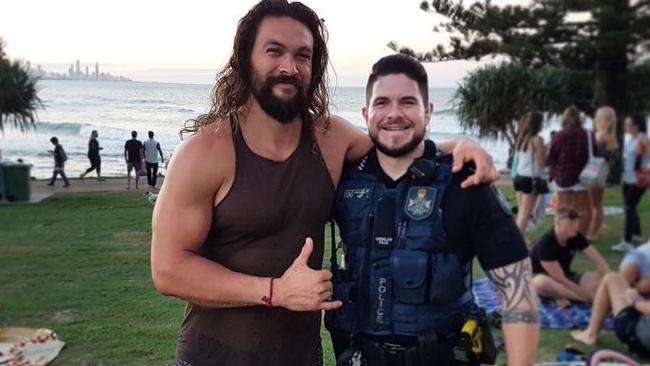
<point>151,150</point>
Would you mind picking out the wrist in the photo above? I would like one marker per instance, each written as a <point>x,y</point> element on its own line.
<point>268,297</point>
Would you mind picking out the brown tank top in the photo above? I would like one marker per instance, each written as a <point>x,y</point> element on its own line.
<point>259,229</point>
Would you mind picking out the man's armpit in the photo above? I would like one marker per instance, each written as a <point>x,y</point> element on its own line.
<point>520,302</point>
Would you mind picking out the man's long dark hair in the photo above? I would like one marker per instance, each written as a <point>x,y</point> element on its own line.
<point>234,81</point>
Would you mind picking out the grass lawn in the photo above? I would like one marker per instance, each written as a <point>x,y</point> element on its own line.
<point>79,264</point>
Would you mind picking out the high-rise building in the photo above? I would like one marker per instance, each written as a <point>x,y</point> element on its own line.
<point>97,70</point>
<point>78,70</point>
<point>87,75</point>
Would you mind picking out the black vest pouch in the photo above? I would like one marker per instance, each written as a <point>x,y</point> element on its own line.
<point>410,270</point>
<point>447,278</point>
<point>347,316</point>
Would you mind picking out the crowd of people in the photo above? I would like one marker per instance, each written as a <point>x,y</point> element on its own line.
<point>140,157</point>
<point>579,216</point>
<point>561,164</point>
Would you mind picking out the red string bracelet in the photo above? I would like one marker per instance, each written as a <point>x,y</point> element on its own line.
<point>269,300</point>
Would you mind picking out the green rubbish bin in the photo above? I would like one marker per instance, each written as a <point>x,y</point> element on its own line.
<point>16,182</point>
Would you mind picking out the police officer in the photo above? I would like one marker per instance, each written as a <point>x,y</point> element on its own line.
<point>410,234</point>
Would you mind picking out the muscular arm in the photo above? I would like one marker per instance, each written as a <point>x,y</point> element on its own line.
<point>599,262</point>
<point>181,220</point>
<point>519,311</point>
<point>555,272</point>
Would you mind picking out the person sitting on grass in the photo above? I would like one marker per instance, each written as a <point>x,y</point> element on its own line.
<point>632,315</point>
<point>635,268</point>
<point>551,258</point>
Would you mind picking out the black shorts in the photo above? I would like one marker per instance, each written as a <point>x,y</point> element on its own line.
<point>633,329</point>
<point>530,185</point>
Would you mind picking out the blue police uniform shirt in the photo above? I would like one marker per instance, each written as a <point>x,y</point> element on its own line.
<point>475,219</point>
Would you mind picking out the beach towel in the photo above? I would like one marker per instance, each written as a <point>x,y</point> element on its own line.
<point>28,347</point>
<point>550,315</point>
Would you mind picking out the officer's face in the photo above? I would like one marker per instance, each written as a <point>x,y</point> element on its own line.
<point>396,115</point>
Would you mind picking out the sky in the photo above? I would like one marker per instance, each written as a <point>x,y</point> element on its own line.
<point>188,41</point>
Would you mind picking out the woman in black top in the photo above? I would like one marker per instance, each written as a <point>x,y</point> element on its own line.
<point>93,156</point>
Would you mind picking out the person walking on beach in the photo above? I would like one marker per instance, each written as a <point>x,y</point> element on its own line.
<point>238,227</point>
<point>59,162</point>
<point>636,155</point>
<point>93,156</point>
<point>133,157</point>
<point>151,150</point>
<point>607,146</point>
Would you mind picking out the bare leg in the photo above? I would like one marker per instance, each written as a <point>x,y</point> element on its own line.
<point>597,196</point>
<point>589,282</point>
<point>565,199</point>
<point>548,287</point>
<point>525,209</point>
<point>631,273</point>
<point>583,205</point>
<point>609,296</point>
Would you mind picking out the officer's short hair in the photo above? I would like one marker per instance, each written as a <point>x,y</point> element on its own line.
<point>54,140</point>
<point>399,64</point>
<point>150,134</point>
<point>134,134</point>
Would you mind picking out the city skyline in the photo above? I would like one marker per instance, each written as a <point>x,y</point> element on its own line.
<point>74,73</point>
<point>190,42</point>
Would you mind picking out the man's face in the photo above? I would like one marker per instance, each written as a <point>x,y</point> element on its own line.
<point>396,115</point>
<point>568,227</point>
<point>281,62</point>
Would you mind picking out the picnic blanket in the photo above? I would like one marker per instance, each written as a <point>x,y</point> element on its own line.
<point>550,315</point>
<point>28,347</point>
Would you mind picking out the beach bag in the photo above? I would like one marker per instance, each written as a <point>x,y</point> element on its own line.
<point>643,178</point>
<point>643,174</point>
<point>594,174</point>
<point>64,156</point>
<point>515,165</point>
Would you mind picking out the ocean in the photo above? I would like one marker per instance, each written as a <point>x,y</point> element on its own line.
<point>74,108</point>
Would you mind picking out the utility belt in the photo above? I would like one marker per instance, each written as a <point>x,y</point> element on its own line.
<point>473,345</point>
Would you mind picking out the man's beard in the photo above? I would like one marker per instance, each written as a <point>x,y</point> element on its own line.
<point>283,111</point>
<point>399,151</point>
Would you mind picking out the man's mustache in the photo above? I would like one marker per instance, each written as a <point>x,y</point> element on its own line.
<point>284,79</point>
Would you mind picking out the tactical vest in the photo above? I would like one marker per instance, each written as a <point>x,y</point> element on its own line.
<point>401,276</point>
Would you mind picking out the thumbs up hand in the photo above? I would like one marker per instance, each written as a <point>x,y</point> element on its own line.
<point>303,289</point>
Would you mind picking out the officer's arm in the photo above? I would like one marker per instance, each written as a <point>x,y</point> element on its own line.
<point>519,311</point>
<point>599,262</point>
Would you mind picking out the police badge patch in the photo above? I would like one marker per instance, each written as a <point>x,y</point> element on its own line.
<point>420,202</point>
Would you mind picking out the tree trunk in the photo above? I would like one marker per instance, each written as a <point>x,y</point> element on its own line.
<point>610,84</point>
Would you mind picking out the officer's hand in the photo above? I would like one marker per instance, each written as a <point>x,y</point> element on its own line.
<point>303,289</point>
<point>467,151</point>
